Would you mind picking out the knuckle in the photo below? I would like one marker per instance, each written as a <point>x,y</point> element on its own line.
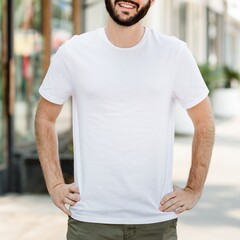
<point>72,197</point>
<point>75,199</point>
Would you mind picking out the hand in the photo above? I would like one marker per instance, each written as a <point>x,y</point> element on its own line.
<point>64,194</point>
<point>180,200</point>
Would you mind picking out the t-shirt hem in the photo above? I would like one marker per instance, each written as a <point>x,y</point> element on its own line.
<point>50,98</point>
<point>124,220</point>
<point>196,101</point>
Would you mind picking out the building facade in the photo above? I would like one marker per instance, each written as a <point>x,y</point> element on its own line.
<point>210,27</point>
<point>31,32</point>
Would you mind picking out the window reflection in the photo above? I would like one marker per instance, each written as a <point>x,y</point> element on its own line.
<point>28,54</point>
<point>214,36</point>
<point>180,19</point>
<point>1,90</point>
<point>62,29</point>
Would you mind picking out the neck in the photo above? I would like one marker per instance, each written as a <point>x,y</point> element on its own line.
<point>124,37</point>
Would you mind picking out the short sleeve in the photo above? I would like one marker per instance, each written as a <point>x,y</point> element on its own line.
<point>189,86</point>
<point>56,86</point>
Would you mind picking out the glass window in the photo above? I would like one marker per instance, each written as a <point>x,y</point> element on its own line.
<point>212,37</point>
<point>180,12</point>
<point>232,47</point>
<point>61,23</point>
<point>215,37</point>
<point>62,30</point>
<point>1,92</point>
<point>183,20</point>
<point>1,89</point>
<point>28,54</point>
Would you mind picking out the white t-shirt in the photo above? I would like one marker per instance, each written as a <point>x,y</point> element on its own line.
<point>123,120</point>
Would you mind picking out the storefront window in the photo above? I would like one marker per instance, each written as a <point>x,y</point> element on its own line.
<point>232,47</point>
<point>62,30</point>
<point>215,37</point>
<point>29,53</point>
<point>28,59</point>
<point>1,91</point>
<point>179,19</point>
<point>183,20</point>
<point>61,23</point>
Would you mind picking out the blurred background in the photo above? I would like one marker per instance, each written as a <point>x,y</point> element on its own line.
<point>31,31</point>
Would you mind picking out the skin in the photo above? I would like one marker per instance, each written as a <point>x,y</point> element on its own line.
<point>47,142</point>
<point>184,199</point>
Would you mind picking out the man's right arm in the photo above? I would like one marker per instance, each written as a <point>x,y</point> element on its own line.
<point>47,145</point>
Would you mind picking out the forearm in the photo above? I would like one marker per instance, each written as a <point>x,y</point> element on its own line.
<point>47,145</point>
<point>202,145</point>
<point>181,200</point>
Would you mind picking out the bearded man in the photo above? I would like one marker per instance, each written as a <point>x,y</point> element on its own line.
<point>124,80</point>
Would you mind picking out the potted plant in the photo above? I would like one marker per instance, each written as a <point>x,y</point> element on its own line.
<point>226,97</point>
<point>211,76</point>
<point>223,83</point>
<point>183,123</point>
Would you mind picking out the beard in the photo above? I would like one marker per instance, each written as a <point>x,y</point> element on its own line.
<point>141,13</point>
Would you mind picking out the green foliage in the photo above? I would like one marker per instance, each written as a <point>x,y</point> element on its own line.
<point>230,75</point>
<point>221,76</point>
<point>211,75</point>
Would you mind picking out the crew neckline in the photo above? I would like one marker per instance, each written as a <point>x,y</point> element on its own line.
<point>140,43</point>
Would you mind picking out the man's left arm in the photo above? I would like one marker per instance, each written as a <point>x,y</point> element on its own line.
<point>204,131</point>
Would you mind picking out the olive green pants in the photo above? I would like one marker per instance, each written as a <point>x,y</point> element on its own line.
<point>78,230</point>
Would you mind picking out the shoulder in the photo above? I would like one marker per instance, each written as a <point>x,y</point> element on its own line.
<point>84,37</point>
<point>79,41</point>
<point>167,42</point>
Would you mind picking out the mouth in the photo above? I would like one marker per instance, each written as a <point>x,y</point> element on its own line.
<point>126,4</point>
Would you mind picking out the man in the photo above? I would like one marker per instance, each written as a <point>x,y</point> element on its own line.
<point>124,80</point>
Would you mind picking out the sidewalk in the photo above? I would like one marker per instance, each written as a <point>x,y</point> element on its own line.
<point>217,215</point>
